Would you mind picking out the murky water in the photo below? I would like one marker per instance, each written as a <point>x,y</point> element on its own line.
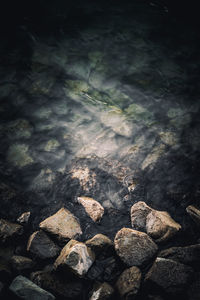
<point>106,106</point>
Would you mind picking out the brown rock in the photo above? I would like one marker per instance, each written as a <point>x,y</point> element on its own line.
<point>63,225</point>
<point>9,231</point>
<point>102,291</point>
<point>139,212</point>
<point>100,243</point>
<point>24,218</point>
<point>128,283</point>
<point>135,248</point>
<point>42,246</point>
<point>194,213</point>
<point>21,263</point>
<point>76,257</point>
<point>93,208</point>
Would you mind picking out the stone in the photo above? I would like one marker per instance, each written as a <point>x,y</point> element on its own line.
<point>41,246</point>
<point>24,218</point>
<point>128,283</point>
<point>102,291</point>
<point>58,286</point>
<point>27,290</point>
<point>189,255</point>
<point>93,208</point>
<point>21,263</point>
<point>135,248</point>
<point>5,271</point>
<point>139,212</point>
<point>169,275</point>
<point>9,231</point>
<point>99,244</point>
<point>63,225</point>
<point>76,257</point>
<point>194,213</point>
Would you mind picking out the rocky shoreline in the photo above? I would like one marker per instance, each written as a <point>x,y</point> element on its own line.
<point>54,263</point>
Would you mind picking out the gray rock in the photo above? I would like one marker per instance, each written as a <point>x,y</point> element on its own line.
<point>99,244</point>
<point>26,289</point>
<point>24,218</point>
<point>102,291</point>
<point>9,231</point>
<point>194,213</point>
<point>21,263</point>
<point>42,246</point>
<point>139,212</point>
<point>135,248</point>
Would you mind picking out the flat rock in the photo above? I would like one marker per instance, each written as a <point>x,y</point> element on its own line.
<point>189,255</point>
<point>76,257</point>
<point>63,225</point>
<point>21,263</point>
<point>92,207</point>
<point>128,283</point>
<point>99,244</point>
<point>169,275</point>
<point>135,248</point>
<point>27,290</point>
<point>41,246</point>
<point>102,291</point>
<point>194,213</point>
<point>9,231</point>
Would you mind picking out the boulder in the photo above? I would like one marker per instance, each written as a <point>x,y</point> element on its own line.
<point>128,283</point>
<point>139,212</point>
<point>9,231</point>
<point>41,246</point>
<point>63,225</point>
<point>27,290</point>
<point>194,213</point>
<point>76,257</point>
<point>99,244</point>
<point>21,263</point>
<point>169,275</point>
<point>135,248</point>
<point>102,291</point>
<point>24,218</point>
<point>189,255</point>
<point>93,208</point>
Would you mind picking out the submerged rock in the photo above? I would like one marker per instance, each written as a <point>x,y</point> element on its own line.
<point>76,257</point>
<point>42,246</point>
<point>169,275</point>
<point>21,263</point>
<point>135,248</point>
<point>9,231</point>
<point>128,283</point>
<point>102,291</point>
<point>24,218</point>
<point>194,213</point>
<point>27,290</point>
<point>93,208</point>
<point>63,225</point>
<point>99,244</point>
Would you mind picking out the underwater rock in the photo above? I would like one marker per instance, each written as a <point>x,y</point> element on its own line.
<point>76,257</point>
<point>102,291</point>
<point>135,248</point>
<point>9,231</point>
<point>18,155</point>
<point>99,244</point>
<point>24,218</point>
<point>128,283</point>
<point>63,225</point>
<point>40,245</point>
<point>21,263</point>
<point>194,213</point>
<point>27,290</point>
<point>93,208</point>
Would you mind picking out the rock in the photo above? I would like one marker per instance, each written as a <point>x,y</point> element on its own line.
<point>102,291</point>
<point>135,248</point>
<point>169,275</point>
<point>189,255</point>
<point>9,231</point>
<point>21,263</point>
<point>63,225</point>
<point>76,257</point>
<point>194,289</point>
<point>26,289</point>
<point>99,244</point>
<point>61,287</point>
<point>93,208</point>
<point>194,213</point>
<point>24,218</point>
<point>5,272</point>
<point>139,212</point>
<point>42,246</point>
<point>128,283</point>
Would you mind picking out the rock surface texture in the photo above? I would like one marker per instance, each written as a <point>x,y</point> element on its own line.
<point>102,291</point>
<point>99,244</point>
<point>92,207</point>
<point>9,231</point>
<point>194,213</point>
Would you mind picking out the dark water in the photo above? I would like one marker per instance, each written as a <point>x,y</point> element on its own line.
<point>102,101</point>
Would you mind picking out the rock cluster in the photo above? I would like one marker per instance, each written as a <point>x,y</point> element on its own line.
<point>132,266</point>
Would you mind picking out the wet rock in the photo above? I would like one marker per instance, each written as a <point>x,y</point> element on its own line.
<point>194,213</point>
<point>169,275</point>
<point>93,208</point>
<point>9,231</point>
<point>40,245</point>
<point>24,218</point>
<point>194,289</point>
<point>21,263</point>
<point>26,289</point>
<point>59,286</point>
<point>185,255</point>
<point>100,244</point>
<point>135,248</point>
<point>76,257</point>
<point>128,283</point>
<point>139,213</point>
<point>63,225</point>
<point>102,291</point>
